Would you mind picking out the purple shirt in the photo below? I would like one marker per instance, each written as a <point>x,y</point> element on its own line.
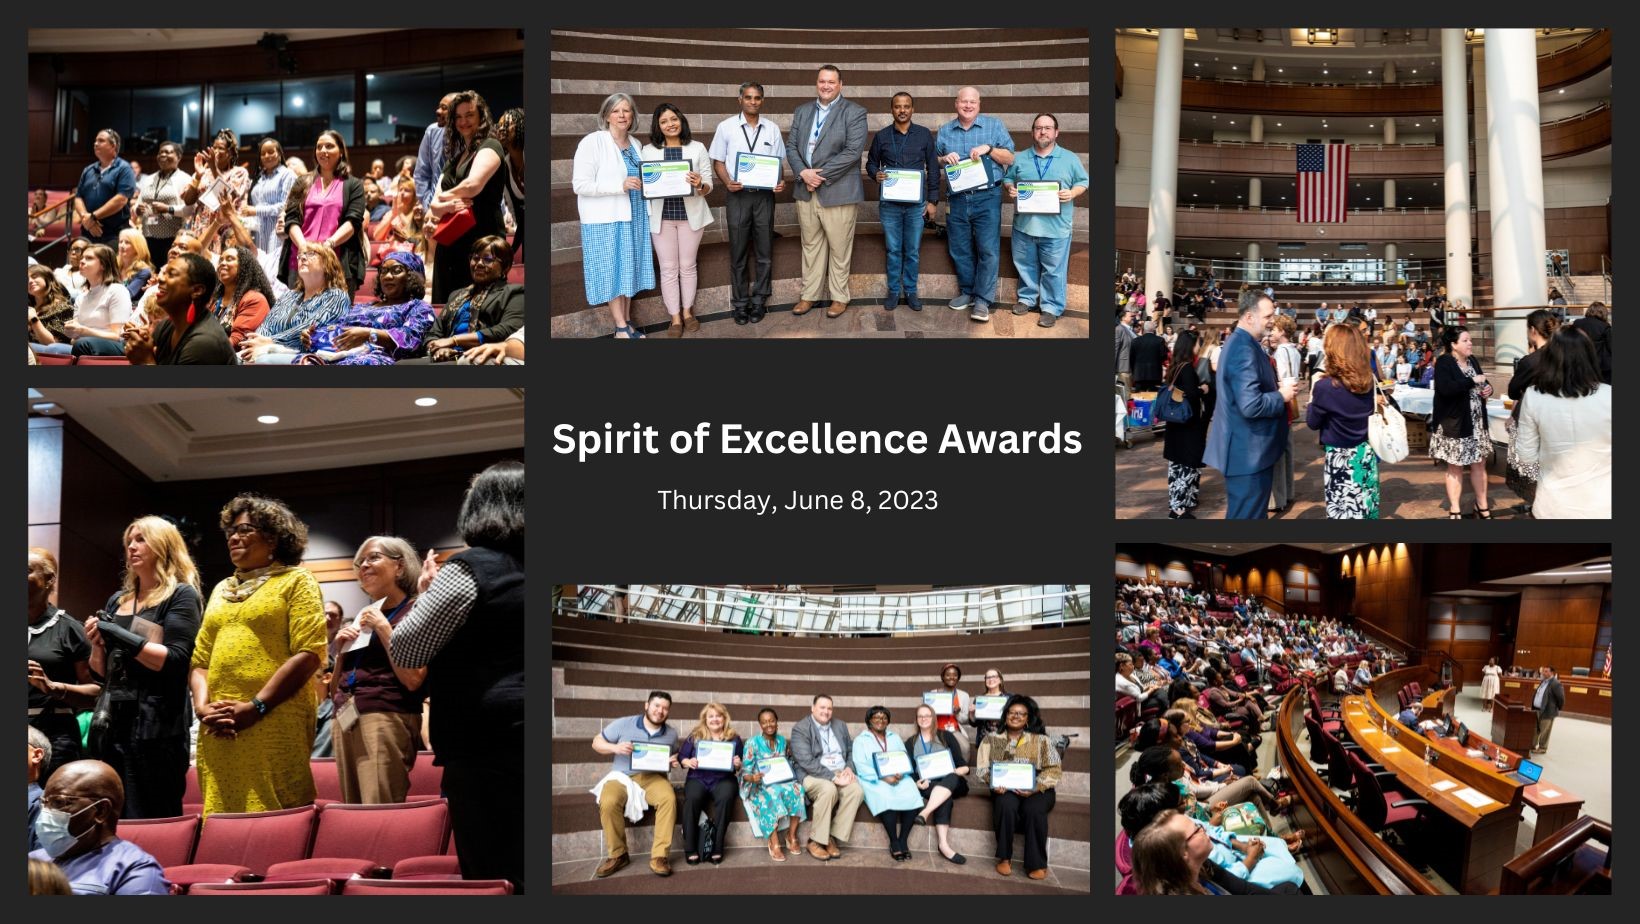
<point>708,778</point>
<point>406,324</point>
<point>1339,414</point>
<point>116,868</point>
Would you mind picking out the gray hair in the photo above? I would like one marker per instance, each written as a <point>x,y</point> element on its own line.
<point>38,739</point>
<point>610,102</point>
<point>400,551</point>
<point>1150,327</point>
<point>1249,299</point>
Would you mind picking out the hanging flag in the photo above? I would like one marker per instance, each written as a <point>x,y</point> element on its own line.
<point>1608,659</point>
<point>1323,177</point>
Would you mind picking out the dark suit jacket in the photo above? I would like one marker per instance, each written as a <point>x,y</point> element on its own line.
<point>1249,428</point>
<point>1148,355</point>
<point>1554,700</point>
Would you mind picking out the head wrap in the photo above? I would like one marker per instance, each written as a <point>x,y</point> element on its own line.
<point>408,258</point>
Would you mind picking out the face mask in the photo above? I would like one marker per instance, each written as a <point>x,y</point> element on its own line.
<point>52,830</point>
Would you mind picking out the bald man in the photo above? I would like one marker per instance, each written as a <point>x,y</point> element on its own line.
<point>973,224</point>
<point>78,830</point>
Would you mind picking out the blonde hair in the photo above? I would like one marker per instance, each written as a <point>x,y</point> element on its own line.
<point>172,563</point>
<point>334,277</point>
<point>933,727</point>
<point>140,257</point>
<point>701,732</point>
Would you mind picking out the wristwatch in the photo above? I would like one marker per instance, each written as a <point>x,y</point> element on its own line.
<point>260,707</point>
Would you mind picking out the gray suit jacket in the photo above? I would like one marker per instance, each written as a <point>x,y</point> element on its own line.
<point>837,155</point>
<point>806,747</point>
<point>1554,699</point>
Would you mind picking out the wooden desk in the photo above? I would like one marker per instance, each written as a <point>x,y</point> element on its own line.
<point>1467,844</point>
<point>1587,696</point>
<point>1438,703</point>
<point>1554,811</point>
<point>1514,721</point>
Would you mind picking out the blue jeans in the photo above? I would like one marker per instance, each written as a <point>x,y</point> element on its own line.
<point>98,346</point>
<point>902,236</point>
<point>973,228</point>
<point>1043,267</point>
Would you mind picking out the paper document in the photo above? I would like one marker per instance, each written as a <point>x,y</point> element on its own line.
<point>663,179</point>
<point>902,185</point>
<point>1474,798</point>
<point>1040,198</point>
<point>966,174</point>
<point>1444,785</point>
<point>1549,793</point>
<point>365,635</point>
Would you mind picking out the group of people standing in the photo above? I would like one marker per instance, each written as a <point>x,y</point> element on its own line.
<point>824,149</point>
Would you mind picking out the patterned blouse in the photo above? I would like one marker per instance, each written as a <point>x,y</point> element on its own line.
<point>405,323</point>
<point>268,196</point>
<point>231,189</point>
<point>292,314</point>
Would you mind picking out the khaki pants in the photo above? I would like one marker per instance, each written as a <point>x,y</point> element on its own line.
<point>612,807</point>
<point>828,248</point>
<point>373,760</point>
<point>1540,740</point>
<point>832,815</point>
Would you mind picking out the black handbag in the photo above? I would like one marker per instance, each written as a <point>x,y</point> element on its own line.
<point>709,839</point>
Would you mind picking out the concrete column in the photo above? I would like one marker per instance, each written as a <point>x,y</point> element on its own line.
<point>1389,131</point>
<point>1256,128</point>
<point>1515,151</point>
<point>1258,68</point>
<point>1253,256</point>
<point>1389,194</point>
<point>1455,144</point>
<point>1255,193</point>
<point>1390,276</point>
<point>1389,71</point>
<point>1164,161</point>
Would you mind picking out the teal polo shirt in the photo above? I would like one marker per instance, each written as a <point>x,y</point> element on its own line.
<point>1061,165</point>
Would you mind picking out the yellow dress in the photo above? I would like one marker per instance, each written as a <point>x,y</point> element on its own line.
<point>241,645</point>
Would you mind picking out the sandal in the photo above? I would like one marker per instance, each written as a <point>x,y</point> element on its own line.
<point>1454,515</point>
<point>628,332</point>
<point>775,854</point>
<point>1483,513</point>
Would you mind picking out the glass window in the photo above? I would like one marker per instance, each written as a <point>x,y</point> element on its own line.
<point>313,105</point>
<point>251,110</point>
<point>401,104</point>
<point>89,112</point>
<point>163,114</point>
<point>500,82</point>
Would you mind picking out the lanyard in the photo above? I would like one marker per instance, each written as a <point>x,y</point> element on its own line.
<point>926,747</point>
<point>353,672</point>
<point>819,122</point>
<point>751,142</point>
<point>1039,160</point>
<point>882,743</point>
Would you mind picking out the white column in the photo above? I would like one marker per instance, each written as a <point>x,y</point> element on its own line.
<point>1455,145</point>
<point>1389,194</point>
<point>1389,131</point>
<point>1256,128</point>
<point>1514,147</point>
<point>1389,71</point>
<point>1258,68</point>
<point>1253,256</point>
<point>1255,193</point>
<point>1390,276</point>
<point>1164,161</point>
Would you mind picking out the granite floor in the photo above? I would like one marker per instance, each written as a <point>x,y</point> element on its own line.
<point>867,318</point>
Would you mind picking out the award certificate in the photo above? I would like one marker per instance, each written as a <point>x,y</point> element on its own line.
<point>715,755</point>
<point>891,763</point>
<point>966,174</point>
<point>666,178</point>
<point>757,171</point>
<point>775,770</point>
<point>935,765</point>
<point>939,700</point>
<point>651,757</point>
<point>1038,198</point>
<point>902,185</point>
<point>989,707</point>
<point>1013,774</point>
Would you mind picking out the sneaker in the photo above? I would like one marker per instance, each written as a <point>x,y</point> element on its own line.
<point>913,302</point>
<point>1022,308</point>
<point>962,301</point>
<point>980,313</point>
<point>1047,320</point>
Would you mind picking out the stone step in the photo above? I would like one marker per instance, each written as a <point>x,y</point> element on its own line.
<point>584,727</point>
<point>720,685</point>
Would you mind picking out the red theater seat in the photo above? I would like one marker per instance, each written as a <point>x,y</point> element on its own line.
<point>233,845</point>
<point>168,840</point>
<point>101,361</point>
<point>326,786</point>
<point>300,887</point>
<point>442,866</point>
<point>53,359</point>
<point>426,779</point>
<point>516,274</point>
<point>377,836</point>
<point>427,887</point>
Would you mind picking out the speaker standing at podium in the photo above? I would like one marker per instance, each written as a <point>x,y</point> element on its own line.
<point>1548,701</point>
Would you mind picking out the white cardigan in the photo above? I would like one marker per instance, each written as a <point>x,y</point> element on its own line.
<point>700,214</point>
<point>600,178</point>
<point>1571,440</point>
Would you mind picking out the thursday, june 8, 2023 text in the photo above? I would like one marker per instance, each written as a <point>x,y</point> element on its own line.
<point>766,504</point>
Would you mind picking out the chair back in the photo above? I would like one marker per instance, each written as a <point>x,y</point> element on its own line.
<point>257,840</point>
<point>170,841</point>
<point>382,834</point>
<point>294,887</point>
<point>1369,796</point>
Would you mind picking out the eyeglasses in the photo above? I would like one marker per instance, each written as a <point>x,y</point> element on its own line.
<point>307,258</point>
<point>374,558</point>
<point>485,258</point>
<point>241,529</point>
<point>993,676</point>
<point>393,269</point>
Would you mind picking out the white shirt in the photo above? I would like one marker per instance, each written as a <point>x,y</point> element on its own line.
<point>105,306</point>
<point>1571,440</point>
<point>734,136</point>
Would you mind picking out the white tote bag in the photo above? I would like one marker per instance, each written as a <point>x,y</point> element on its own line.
<point>1387,432</point>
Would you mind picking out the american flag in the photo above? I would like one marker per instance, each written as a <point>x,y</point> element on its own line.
<point>1323,175</point>
<point>1608,659</point>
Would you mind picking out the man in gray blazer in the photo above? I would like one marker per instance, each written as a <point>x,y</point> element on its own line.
<point>1549,699</point>
<point>820,752</point>
<point>828,138</point>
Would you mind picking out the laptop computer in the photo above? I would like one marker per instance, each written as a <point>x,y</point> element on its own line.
<point>1526,774</point>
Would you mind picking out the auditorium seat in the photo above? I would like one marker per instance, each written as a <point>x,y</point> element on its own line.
<point>293,887</point>
<point>54,359</point>
<point>168,840</point>
<point>101,361</point>
<point>443,866</point>
<point>233,845</point>
<point>427,887</point>
<point>327,788</point>
<point>1380,801</point>
<point>354,839</point>
<point>425,778</point>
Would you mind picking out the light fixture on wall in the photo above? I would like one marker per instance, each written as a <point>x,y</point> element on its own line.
<point>1321,36</point>
<point>426,402</point>
<point>267,419</point>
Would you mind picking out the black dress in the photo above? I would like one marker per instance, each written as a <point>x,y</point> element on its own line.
<point>451,270</point>
<point>58,643</point>
<point>1185,443</point>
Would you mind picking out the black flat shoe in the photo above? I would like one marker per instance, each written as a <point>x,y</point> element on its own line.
<point>956,858</point>
<point>715,859</point>
<point>692,861</point>
<point>741,316</point>
<point>920,821</point>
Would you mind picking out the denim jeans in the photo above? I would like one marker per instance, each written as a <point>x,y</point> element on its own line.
<point>98,346</point>
<point>1043,267</point>
<point>902,237</point>
<point>974,231</point>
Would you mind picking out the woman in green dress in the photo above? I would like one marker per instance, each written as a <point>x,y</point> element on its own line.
<point>767,803</point>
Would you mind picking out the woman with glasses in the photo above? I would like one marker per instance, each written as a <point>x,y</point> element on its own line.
<point>320,298</point>
<point>376,725</point>
<point>159,199</point>
<point>488,311</point>
<point>893,799</point>
<point>262,639</point>
<point>1023,739</point>
<point>227,184</point>
<point>473,181</point>
<point>380,333</point>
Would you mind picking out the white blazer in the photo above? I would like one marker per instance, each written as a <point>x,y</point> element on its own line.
<point>700,214</point>
<point>600,178</point>
<point>1571,440</point>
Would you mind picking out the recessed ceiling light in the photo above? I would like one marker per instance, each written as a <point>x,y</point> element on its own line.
<point>1233,67</point>
<point>1563,89</point>
<point>1370,125</point>
<point>1278,125</point>
<point>1417,125</point>
<point>1323,70</point>
<point>1415,70</point>
<point>1281,70</point>
<point>267,419</point>
<point>1232,121</point>
<point>426,402</point>
<point>1369,72</point>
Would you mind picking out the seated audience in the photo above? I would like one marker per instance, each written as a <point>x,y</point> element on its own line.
<point>321,299</point>
<point>509,352</point>
<point>243,295</point>
<point>189,334</point>
<point>78,829</point>
<point>487,311</point>
<point>135,268</point>
<point>99,314</point>
<point>379,333</point>
<point>49,306</point>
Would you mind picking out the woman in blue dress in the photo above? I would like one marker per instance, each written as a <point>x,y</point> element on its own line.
<point>767,803</point>
<point>893,800</point>
<point>380,333</point>
<point>617,256</point>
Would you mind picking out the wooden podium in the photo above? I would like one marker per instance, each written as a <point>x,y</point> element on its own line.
<point>1514,723</point>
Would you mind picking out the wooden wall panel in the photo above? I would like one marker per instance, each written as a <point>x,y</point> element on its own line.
<point>1557,626</point>
<point>1281,99</point>
<point>1569,65</point>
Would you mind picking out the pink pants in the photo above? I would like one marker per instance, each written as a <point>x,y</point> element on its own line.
<point>676,246</point>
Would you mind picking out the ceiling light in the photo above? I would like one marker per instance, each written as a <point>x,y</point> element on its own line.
<point>426,402</point>
<point>1563,89</point>
<point>1278,125</point>
<point>296,101</point>
<point>1281,70</point>
<point>1369,72</point>
<point>1197,64</point>
<point>370,76</point>
<point>1415,70</point>
<point>267,419</point>
<point>1233,67</point>
<point>1232,121</point>
<point>1323,70</point>
<point>1370,125</point>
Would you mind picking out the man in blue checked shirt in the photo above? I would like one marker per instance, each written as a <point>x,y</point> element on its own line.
<point>1042,241</point>
<point>974,223</point>
<point>906,145</point>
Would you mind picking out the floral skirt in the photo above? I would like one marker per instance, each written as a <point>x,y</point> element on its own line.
<point>1522,477</point>
<point>1464,450</point>
<point>1352,483</point>
<point>1184,486</point>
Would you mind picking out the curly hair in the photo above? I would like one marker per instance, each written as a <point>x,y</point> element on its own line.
<point>492,514</point>
<point>275,521</point>
<point>251,279</point>
<point>455,146</point>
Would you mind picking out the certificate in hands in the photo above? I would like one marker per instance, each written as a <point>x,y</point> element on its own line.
<point>1038,198</point>
<point>935,765</point>
<point>757,171</point>
<point>666,178</point>
<point>1013,774</point>
<point>966,174</point>
<point>715,755</point>
<point>939,700</point>
<point>989,707</point>
<point>775,770</point>
<point>891,763</point>
<point>902,185</point>
<point>651,757</point>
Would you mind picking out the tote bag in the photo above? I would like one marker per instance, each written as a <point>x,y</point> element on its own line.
<point>1387,432</point>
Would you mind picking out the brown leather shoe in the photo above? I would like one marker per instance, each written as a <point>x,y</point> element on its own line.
<point>690,322</point>
<point>1005,868</point>
<point>660,866</point>
<point>818,852</point>
<point>832,850</point>
<point>1038,874</point>
<point>612,866</point>
<point>836,310</point>
<point>801,308</point>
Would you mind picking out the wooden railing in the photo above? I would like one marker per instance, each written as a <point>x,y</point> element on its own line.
<point>1537,870</point>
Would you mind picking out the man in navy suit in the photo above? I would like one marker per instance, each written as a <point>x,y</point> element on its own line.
<point>1249,428</point>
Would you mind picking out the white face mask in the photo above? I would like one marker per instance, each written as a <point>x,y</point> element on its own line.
<point>52,830</point>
